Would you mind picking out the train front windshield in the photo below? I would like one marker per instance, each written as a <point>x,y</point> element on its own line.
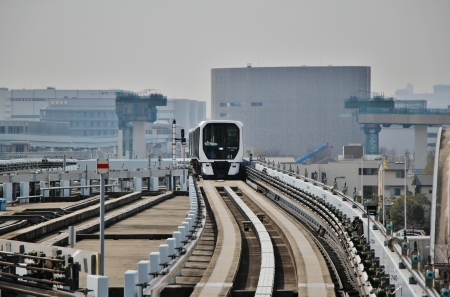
<point>221,140</point>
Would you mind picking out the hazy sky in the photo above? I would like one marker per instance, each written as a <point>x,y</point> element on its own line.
<point>172,45</point>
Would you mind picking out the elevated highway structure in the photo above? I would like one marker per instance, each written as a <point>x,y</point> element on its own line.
<point>375,113</point>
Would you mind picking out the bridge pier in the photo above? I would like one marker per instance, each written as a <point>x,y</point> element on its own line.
<point>44,184</point>
<point>371,131</point>
<point>8,191</point>
<point>137,184</point>
<point>420,143</point>
<point>65,192</point>
<point>154,184</point>
<point>24,191</point>
<point>85,191</point>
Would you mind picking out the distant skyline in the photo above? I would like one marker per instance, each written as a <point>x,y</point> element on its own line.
<point>172,46</point>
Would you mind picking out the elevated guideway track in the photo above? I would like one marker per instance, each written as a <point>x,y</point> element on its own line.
<point>379,266</point>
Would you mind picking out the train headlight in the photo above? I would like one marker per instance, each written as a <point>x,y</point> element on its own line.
<point>220,148</point>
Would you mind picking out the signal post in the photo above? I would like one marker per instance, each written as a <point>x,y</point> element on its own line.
<point>102,169</point>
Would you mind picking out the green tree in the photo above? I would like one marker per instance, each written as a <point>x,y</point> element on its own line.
<point>429,168</point>
<point>415,211</point>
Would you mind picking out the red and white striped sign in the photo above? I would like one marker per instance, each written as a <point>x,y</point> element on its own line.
<point>102,166</point>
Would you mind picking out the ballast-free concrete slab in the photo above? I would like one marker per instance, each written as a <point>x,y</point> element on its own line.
<point>10,209</point>
<point>163,218</point>
<point>124,254</point>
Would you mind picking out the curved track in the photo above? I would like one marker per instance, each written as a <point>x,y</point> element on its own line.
<point>300,268</point>
<point>221,272</point>
<point>307,210</point>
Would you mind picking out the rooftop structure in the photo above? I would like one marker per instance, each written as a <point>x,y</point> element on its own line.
<point>133,110</point>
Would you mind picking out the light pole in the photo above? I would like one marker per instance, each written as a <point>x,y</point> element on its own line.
<point>149,168</point>
<point>382,189</point>
<point>362,173</point>
<point>405,196</point>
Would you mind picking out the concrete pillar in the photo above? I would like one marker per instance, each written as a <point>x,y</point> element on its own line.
<point>154,262</point>
<point>65,192</point>
<point>139,150</point>
<point>143,270</point>
<point>187,228</point>
<point>169,182</point>
<point>131,279</point>
<point>24,191</point>
<point>42,185</point>
<point>7,191</point>
<point>137,182</point>
<point>183,186</point>
<point>191,223</point>
<point>177,236</point>
<point>154,184</point>
<point>183,231</point>
<point>420,143</point>
<point>171,247</point>
<point>99,284</point>
<point>115,182</point>
<point>164,253</point>
<point>84,191</point>
<point>72,235</point>
<point>371,131</point>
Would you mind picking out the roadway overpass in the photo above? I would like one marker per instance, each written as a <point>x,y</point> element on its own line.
<point>375,113</point>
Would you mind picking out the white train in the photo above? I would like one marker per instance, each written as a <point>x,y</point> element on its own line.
<point>216,148</point>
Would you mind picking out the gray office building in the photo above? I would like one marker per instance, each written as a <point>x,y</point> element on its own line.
<point>290,110</point>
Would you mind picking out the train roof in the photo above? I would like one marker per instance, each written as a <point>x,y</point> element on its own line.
<point>203,123</point>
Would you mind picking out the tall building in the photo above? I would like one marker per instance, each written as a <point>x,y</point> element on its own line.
<point>290,110</point>
<point>51,118</point>
<point>187,113</point>
<point>44,119</point>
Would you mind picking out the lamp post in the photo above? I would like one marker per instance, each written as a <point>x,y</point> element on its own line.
<point>149,168</point>
<point>362,173</point>
<point>405,196</point>
<point>382,189</point>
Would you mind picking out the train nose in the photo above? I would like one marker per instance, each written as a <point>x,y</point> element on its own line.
<point>221,169</point>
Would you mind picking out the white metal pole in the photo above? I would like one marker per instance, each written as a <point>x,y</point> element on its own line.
<point>174,127</point>
<point>184,165</point>
<point>149,169</point>
<point>405,195</point>
<point>382,192</point>
<point>48,180</point>
<point>362,173</point>
<point>102,224</point>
